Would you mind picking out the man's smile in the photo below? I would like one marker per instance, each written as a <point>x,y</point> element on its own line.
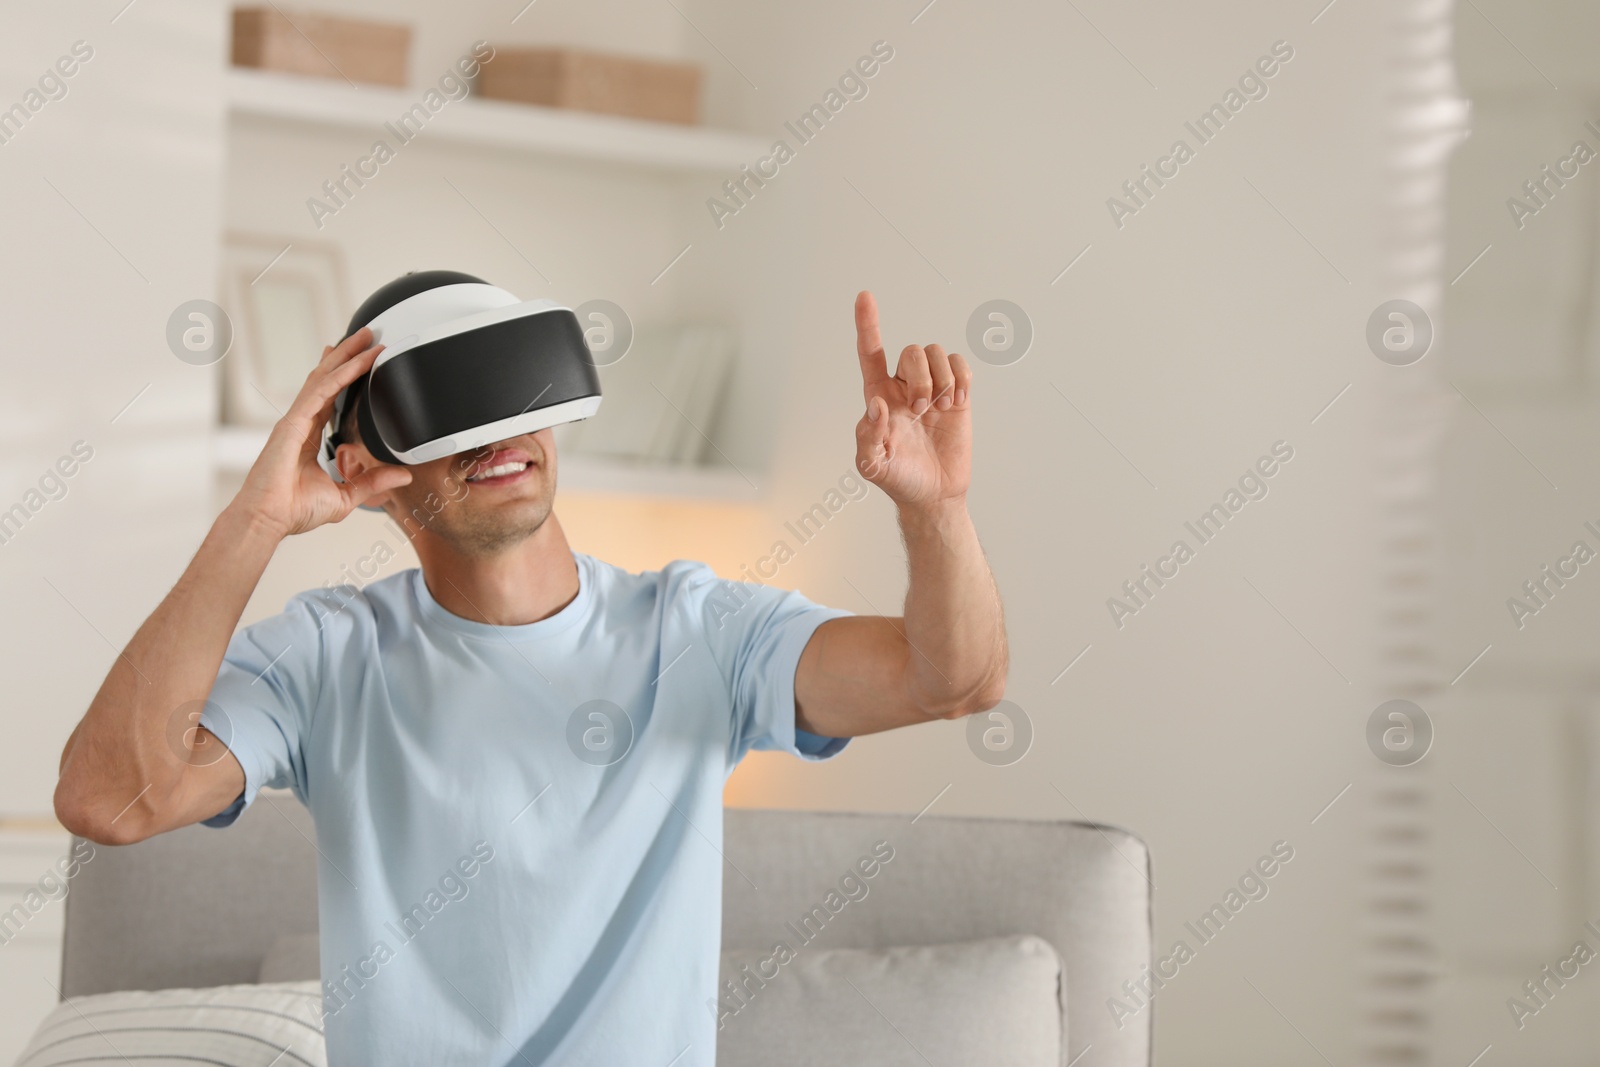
<point>502,467</point>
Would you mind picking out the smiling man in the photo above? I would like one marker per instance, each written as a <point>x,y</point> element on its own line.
<point>514,755</point>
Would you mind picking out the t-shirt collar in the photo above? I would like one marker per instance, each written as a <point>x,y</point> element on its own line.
<point>574,612</point>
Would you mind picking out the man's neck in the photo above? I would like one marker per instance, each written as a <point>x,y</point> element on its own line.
<point>527,582</point>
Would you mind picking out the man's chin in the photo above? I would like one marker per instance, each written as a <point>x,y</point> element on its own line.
<point>496,524</point>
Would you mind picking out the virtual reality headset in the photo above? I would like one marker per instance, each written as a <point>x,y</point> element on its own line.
<point>465,364</point>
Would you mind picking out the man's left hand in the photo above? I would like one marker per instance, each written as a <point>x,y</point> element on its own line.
<point>915,440</point>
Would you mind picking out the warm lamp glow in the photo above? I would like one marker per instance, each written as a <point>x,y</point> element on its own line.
<point>644,534</point>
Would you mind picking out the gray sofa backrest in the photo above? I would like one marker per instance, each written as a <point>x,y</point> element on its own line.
<point>200,906</point>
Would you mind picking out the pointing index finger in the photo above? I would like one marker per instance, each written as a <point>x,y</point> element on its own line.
<point>869,340</point>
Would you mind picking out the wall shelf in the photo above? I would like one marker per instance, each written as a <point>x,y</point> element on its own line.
<point>491,123</point>
<point>235,448</point>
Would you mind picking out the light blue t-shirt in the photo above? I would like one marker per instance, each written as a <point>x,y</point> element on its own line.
<point>520,827</point>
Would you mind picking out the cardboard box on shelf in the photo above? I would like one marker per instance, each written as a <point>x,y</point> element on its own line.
<point>326,46</point>
<point>589,81</point>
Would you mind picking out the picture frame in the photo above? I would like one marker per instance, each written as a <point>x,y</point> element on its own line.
<point>287,299</point>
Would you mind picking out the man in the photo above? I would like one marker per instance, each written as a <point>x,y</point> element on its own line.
<point>515,755</point>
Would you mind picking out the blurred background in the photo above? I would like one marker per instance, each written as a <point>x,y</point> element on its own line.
<point>1159,336</point>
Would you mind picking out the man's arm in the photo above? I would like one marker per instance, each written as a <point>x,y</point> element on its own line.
<point>137,764</point>
<point>947,656</point>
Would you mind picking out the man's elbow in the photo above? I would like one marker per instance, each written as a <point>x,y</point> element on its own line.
<point>83,815</point>
<point>980,698</point>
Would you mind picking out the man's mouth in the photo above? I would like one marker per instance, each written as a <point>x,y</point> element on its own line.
<point>502,468</point>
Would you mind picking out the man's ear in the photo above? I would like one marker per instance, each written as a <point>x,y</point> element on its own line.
<point>353,460</point>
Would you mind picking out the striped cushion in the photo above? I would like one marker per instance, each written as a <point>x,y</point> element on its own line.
<point>229,1026</point>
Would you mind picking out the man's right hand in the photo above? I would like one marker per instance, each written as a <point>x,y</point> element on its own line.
<point>286,490</point>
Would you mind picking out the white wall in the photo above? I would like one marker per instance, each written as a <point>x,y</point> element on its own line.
<point>1196,336</point>
<point>93,268</point>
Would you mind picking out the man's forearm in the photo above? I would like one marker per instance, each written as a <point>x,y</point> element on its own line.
<point>126,748</point>
<point>953,617</point>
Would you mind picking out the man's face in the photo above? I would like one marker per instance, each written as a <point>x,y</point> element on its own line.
<point>480,502</point>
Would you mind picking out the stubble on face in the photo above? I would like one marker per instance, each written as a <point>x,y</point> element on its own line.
<point>484,532</point>
<point>474,523</point>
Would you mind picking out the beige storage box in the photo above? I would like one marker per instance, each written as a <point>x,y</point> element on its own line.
<point>587,81</point>
<point>323,46</point>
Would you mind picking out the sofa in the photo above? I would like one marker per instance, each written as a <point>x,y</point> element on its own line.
<point>1047,918</point>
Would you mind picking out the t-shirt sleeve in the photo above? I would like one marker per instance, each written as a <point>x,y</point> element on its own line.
<point>757,634</point>
<point>264,698</point>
